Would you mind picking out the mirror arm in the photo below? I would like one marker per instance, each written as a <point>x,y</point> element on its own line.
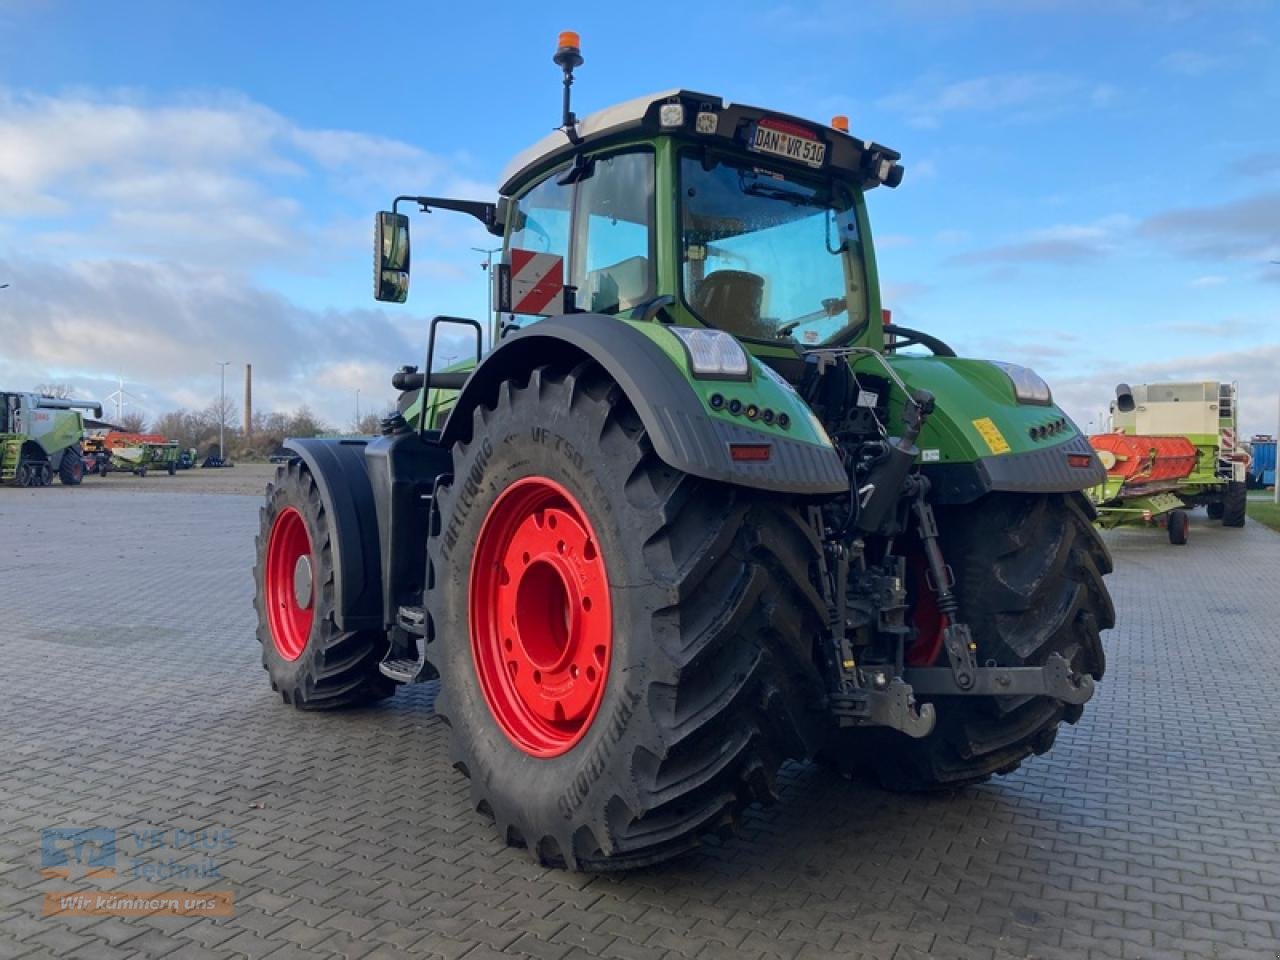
<point>486,213</point>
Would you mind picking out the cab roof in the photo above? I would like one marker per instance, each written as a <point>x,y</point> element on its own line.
<point>873,163</point>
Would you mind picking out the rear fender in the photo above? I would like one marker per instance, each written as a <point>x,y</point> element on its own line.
<point>649,365</point>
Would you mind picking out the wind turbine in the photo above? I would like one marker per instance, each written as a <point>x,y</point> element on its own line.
<point>120,398</point>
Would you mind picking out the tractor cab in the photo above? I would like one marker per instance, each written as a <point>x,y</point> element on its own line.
<point>686,209</point>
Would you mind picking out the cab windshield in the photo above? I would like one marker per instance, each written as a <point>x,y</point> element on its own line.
<point>767,256</point>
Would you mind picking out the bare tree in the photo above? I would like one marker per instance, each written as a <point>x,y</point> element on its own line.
<point>133,422</point>
<point>63,391</point>
<point>304,423</point>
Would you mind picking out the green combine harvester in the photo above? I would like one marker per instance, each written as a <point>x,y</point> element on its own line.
<point>40,438</point>
<point>699,510</point>
<point>1173,447</point>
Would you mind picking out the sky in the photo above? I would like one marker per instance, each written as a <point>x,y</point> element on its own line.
<point>1092,188</point>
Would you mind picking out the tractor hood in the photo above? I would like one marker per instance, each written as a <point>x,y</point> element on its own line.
<point>981,437</point>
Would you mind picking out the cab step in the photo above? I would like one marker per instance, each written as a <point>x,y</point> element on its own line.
<point>406,660</point>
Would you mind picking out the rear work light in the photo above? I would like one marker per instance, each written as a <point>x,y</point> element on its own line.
<point>750,452</point>
<point>1082,460</point>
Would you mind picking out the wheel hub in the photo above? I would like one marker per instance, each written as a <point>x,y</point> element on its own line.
<point>302,582</point>
<point>288,584</point>
<point>541,619</point>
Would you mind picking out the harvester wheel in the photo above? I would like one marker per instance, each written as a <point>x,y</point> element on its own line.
<point>173,468</point>
<point>23,476</point>
<point>1029,572</point>
<point>1235,504</point>
<point>625,650</point>
<point>71,469</point>
<point>1179,524</point>
<point>1215,509</point>
<point>313,664</point>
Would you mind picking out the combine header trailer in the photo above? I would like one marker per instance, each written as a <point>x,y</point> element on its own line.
<point>1174,448</point>
<point>693,514</point>
<point>40,439</point>
<point>137,453</point>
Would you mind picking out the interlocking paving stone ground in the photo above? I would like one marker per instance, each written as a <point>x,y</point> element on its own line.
<point>132,698</point>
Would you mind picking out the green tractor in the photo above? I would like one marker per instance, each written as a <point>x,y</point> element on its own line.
<point>40,439</point>
<point>700,510</point>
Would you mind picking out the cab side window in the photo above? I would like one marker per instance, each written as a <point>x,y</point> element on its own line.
<point>612,253</point>
<point>541,225</point>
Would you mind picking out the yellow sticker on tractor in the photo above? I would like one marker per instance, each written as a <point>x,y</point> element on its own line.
<point>991,434</point>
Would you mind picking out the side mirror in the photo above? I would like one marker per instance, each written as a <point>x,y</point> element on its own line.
<point>1124,398</point>
<point>391,257</point>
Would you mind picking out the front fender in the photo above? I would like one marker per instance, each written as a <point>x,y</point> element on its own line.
<point>338,467</point>
<point>979,438</point>
<point>648,363</point>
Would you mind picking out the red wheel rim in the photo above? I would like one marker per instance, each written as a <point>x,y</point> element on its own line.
<point>290,583</point>
<point>541,621</point>
<point>925,615</point>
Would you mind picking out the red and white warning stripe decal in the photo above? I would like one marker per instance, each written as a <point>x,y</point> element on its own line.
<point>537,283</point>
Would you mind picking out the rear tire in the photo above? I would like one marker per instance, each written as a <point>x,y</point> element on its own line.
<point>71,469</point>
<point>313,664</point>
<point>1215,509</point>
<point>173,469</point>
<point>707,680</point>
<point>1179,524</point>
<point>1029,572</point>
<point>1235,505</point>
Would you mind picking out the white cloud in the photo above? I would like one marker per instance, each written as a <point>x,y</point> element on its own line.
<point>1191,63</point>
<point>1103,95</point>
<point>891,241</point>
<point>1246,229</point>
<point>1062,244</point>
<point>218,180</point>
<point>1014,95</point>
<point>1211,280</point>
<point>923,170</point>
<point>137,235</point>
<point>1254,368</point>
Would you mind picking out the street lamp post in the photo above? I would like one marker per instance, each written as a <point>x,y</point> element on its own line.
<point>222,409</point>
<point>487,266</point>
<point>357,409</point>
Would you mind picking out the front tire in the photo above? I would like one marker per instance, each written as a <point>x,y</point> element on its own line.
<point>1235,504</point>
<point>690,601</point>
<point>313,664</point>
<point>71,469</point>
<point>1029,572</point>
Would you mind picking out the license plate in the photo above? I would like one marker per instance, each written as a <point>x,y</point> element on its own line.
<point>789,142</point>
